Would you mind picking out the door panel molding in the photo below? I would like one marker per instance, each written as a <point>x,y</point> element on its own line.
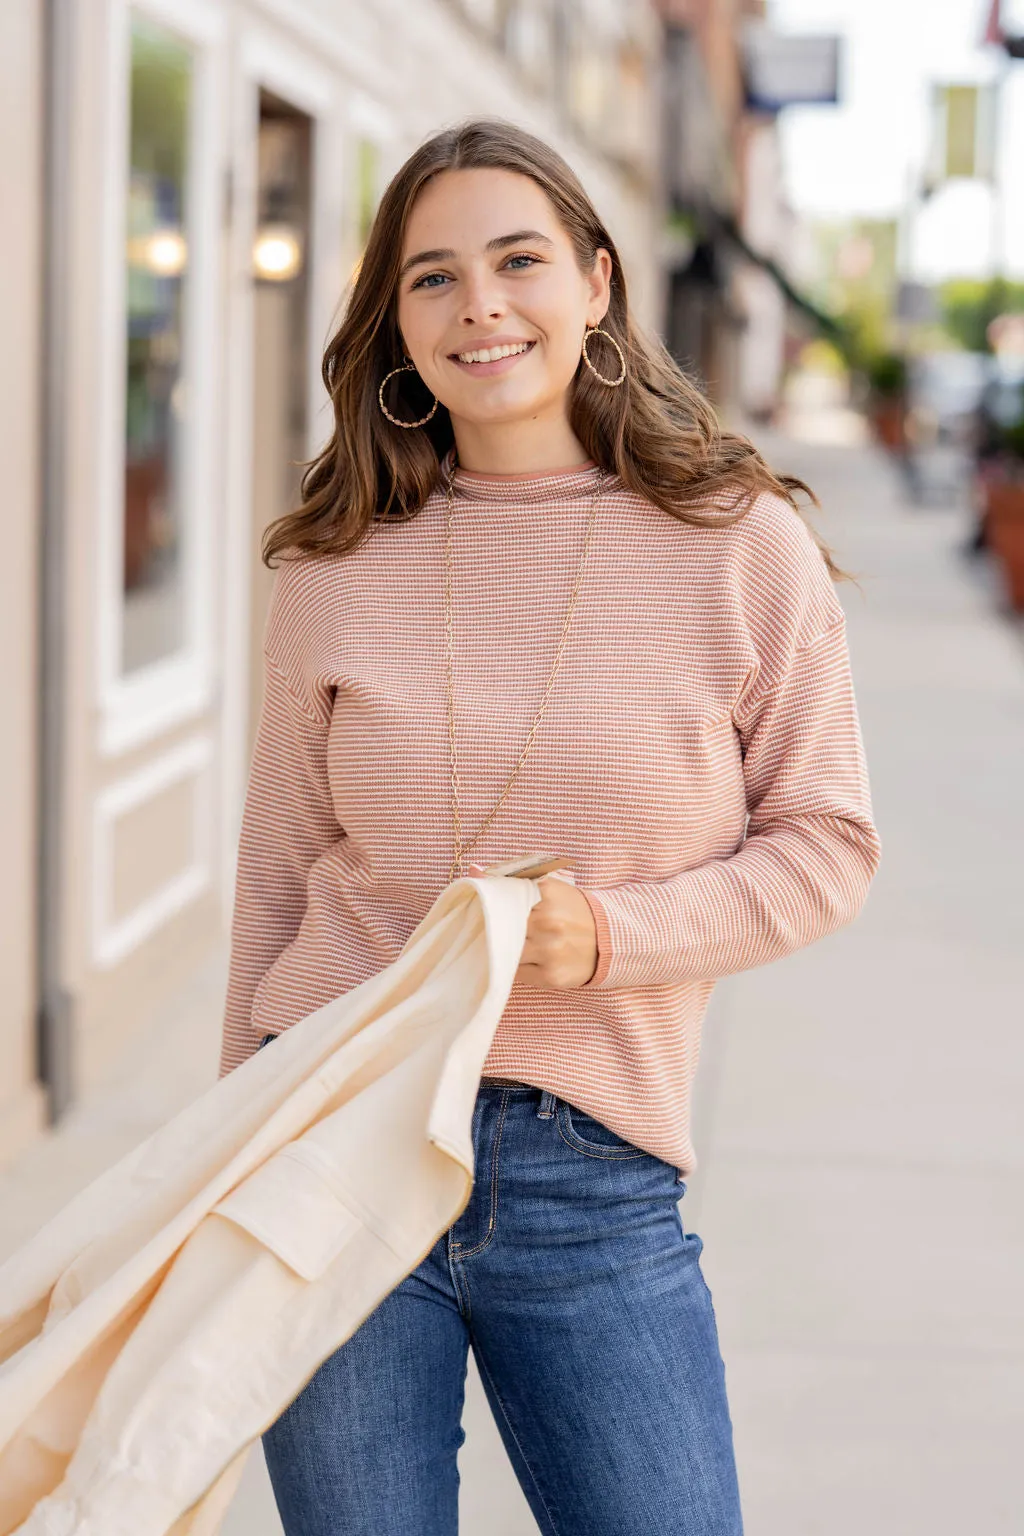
<point>114,937</point>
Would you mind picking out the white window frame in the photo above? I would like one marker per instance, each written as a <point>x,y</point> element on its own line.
<point>369,119</point>
<point>138,706</point>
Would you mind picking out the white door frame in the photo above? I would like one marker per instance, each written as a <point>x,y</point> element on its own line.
<point>265,56</point>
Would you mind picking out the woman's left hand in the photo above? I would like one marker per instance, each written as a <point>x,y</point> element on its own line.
<point>560,951</point>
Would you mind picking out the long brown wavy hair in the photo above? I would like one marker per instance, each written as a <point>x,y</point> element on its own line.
<point>657,432</point>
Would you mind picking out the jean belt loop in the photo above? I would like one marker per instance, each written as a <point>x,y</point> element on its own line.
<point>546,1107</point>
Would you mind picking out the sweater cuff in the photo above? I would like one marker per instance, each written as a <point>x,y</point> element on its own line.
<point>604,940</point>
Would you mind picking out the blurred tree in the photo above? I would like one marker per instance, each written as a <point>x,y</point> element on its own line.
<point>970,305</point>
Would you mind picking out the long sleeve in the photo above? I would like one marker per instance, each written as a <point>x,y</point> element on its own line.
<point>287,823</point>
<point>811,847</point>
<point>701,767</point>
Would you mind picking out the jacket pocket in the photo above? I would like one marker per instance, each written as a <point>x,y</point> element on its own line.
<point>291,1209</point>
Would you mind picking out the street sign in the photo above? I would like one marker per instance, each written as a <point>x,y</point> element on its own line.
<point>786,71</point>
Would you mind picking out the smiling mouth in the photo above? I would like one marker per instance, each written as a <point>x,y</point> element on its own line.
<point>480,355</point>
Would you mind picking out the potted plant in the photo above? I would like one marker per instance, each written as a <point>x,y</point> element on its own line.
<point>1004,511</point>
<point>886,374</point>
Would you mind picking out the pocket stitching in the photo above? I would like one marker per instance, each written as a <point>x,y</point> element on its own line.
<point>233,1208</point>
<point>572,1138</point>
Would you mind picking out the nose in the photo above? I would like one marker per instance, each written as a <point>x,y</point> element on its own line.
<point>482,298</point>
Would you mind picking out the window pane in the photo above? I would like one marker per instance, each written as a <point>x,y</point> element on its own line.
<point>156,406</point>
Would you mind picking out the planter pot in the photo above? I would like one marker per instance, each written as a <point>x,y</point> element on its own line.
<point>1004,534</point>
<point>888,421</point>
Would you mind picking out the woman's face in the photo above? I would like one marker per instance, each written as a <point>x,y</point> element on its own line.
<point>486,263</point>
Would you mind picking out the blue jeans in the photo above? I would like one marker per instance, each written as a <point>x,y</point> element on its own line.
<point>572,1279</point>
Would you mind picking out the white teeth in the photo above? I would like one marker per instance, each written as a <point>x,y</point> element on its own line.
<point>491,354</point>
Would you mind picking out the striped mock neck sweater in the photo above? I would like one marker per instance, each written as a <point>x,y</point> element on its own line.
<point>700,764</point>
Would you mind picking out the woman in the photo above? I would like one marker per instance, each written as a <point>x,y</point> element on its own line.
<point>534,601</point>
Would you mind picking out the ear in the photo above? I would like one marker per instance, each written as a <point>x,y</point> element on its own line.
<point>599,285</point>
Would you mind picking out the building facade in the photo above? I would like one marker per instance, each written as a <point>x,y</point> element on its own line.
<point>730,306</point>
<point>190,183</point>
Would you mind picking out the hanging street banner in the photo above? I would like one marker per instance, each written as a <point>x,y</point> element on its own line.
<point>963,133</point>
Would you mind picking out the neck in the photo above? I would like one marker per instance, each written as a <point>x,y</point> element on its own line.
<point>517,447</point>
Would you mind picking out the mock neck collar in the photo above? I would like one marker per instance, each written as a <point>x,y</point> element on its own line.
<point>579,480</point>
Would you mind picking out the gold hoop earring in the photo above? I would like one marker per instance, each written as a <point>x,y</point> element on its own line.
<point>380,399</point>
<point>595,330</point>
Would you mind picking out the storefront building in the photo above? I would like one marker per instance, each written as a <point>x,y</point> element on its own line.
<point>190,185</point>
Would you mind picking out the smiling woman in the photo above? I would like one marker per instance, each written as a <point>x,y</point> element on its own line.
<point>493,322</point>
<point>537,602</point>
<point>486,238</point>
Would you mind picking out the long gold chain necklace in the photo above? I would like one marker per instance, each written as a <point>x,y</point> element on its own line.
<point>461,848</point>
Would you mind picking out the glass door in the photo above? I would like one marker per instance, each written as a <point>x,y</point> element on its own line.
<point>286,278</point>
<point>281,343</point>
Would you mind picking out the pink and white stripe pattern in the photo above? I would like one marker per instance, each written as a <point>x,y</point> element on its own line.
<point>700,764</point>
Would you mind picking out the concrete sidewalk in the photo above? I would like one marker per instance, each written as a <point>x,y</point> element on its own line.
<point>861,1145</point>
<point>858,1105</point>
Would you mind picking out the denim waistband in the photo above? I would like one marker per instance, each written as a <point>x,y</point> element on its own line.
<point>546,1100</point>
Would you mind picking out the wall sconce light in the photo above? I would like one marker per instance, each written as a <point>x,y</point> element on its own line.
<point>276,253</point>
<point>164,252</point>
<point>277,250</point>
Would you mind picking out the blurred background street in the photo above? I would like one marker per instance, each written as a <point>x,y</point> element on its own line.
<point>820,205</point>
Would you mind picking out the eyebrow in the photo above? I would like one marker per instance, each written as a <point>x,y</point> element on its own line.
<point>445,253</point>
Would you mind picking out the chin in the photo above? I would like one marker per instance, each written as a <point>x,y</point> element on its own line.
<point>502,413</point>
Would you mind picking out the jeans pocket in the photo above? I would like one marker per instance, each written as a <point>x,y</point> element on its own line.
<point>585,1133</point>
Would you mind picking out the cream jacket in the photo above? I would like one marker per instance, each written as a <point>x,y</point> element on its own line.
<point>170,1313</point>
